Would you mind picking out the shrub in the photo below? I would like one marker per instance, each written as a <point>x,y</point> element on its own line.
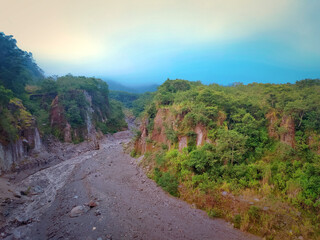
<point>237,220</point>
<point>215,212</point>
<point>167,181</point>
<point>254,214</point>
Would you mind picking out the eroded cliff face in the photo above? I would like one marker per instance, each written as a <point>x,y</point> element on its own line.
<point>281,127</point>
<point>27,141</point>
<point>164,122</point>
<point>314,142</point>
<point>59,121</point>
<point>287,136</point>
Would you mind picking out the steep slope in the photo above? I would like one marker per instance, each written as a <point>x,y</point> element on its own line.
<point>35,110</point>
<point>241,152</point>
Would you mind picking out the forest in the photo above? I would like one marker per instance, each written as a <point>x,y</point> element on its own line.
<point>26,94</point>
<point>247,153</point>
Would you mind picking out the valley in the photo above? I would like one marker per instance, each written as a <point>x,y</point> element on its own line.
<point>126,203</point>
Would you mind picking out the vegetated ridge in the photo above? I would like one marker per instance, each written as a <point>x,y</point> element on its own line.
<point>248,153</point>
<point>34,108</point>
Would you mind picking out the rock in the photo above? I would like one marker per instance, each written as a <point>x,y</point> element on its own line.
<point>224,193</point>
<point>77,211</point>
<point>38,189</point>
<point>266,208</point>
<point>92,204</point>
<point>16,234</point>
<point>97,213</point>
<point>300,238</point>
<point>256,199</point>
<point>109,237</point>
<point>23,193</point>
<point>23,220</point>
<point>17,194</point>
<point>99,238</point>
<point>251,203</point>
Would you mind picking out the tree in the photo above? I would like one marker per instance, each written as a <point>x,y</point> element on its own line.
<point>17,67</point>
<point>230,145</point>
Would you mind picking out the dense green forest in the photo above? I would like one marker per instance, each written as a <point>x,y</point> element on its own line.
<point>136,102</point>
<point>248,153</point>
<point>27,97</point>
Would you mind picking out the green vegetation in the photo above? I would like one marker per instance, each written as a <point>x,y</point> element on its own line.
<point>261,141</point>
<point>28,99</point>
<point>137,103</point>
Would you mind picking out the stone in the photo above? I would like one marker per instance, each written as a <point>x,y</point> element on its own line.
<point>38,189</point>
<point>17,194</point>
<point>224,193</point>
<point>266,208</point>
<point>109,237</point>
<point>16,234</point>
<point>92,204</point>
<point>77,211</point>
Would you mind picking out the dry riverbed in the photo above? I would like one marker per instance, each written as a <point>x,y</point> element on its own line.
<point>98,195</point>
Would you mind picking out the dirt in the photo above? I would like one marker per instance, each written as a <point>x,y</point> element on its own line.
<point>112,199</point>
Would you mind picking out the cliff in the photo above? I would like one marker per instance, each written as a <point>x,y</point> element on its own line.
<point>167,130</point>
<point>64,130</point>
<point>27,139</point>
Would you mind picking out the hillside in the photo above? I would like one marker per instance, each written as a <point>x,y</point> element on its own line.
<point>116,86</point>
<point>248,153</point>
<point>34,108</point>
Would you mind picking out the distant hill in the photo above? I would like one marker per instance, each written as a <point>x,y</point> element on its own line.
<point>116,86</point>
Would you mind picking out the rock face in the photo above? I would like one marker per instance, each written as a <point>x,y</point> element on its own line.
<point>201,132</point>
<point>273,119</point>
<point>281,127</point>
<point>28,138</point>
<point>314,142</point>
<point>13,153</point>
<point>183,142</point>
<point>141,144</point>
<point>162,120</point>
<point>59,121</point>
<point>288,135</point>
<point>165,121</point>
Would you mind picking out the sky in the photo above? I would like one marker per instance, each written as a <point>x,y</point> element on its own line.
<point>139,42</point>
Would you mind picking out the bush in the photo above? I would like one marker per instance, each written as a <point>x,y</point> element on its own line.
<point>215,212</point>
<point>167,181</point>
<point>254,214</point>
<point>237,220</point>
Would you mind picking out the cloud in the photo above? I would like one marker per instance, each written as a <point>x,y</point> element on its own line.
<point>124,35</point>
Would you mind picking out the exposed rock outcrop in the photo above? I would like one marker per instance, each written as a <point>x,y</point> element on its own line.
<point>201,132</point>
<point>281,127</point>
<point>288,134</point>
<point>183,142</point>
<point>141,144</point>
<point>165,121</point>
<point>27,141</point>
<point>314,142</point>
<point>59,121</point>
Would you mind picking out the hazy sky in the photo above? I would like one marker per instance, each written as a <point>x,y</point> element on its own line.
<point>148,41</point>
